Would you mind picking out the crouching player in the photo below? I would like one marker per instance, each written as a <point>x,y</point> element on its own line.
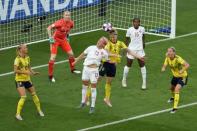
<point>94,54</point>
<point>178,67</point>
<point>108,68</point>
<point>23,71</point>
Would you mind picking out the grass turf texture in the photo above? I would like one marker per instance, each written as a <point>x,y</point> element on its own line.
<point>59,100</point>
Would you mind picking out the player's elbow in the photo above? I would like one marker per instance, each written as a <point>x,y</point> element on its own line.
<point>187,65</point>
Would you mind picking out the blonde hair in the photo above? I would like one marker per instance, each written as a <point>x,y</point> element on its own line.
<point>18,49</point>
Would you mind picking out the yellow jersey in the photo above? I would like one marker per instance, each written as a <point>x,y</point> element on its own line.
<point>23,65</point>
<point>115,49</point>
<point>176,65</point>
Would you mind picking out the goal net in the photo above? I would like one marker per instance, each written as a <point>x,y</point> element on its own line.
<point>27,20</point>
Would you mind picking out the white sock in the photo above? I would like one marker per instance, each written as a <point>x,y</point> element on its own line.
<point>93,95</point>
<point>83,92</point>
<point>125,72</point>
<point>143,71</point>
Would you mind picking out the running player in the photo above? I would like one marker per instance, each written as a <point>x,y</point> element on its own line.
<point>59,39</point>
<point>23,71</point>
<point>179,68</point>
<point>90,74</point>
<point>108,68</point>
<point>137,44</point>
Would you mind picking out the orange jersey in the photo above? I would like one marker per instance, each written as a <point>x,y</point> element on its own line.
<point>62,29</point>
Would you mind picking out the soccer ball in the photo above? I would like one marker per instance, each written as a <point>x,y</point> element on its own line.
<point>107,27</point>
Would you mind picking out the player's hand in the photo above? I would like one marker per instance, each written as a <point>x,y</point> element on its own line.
<point>73,64</point>
<point>142,58</point>
<point>163,69</point>
<point>181,72</point>
<point>36,73</point>
<point>51,40</point>
<point>28,72</point>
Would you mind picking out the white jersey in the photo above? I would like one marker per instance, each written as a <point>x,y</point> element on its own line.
<point>136,36</point>
<point>94,55</point>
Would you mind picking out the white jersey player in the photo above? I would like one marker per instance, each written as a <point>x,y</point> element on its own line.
<point>137,44</point>
<point>94,54</point>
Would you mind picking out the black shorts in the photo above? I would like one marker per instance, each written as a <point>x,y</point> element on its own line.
<point>107,69</point>
<point>179,80</point>
<point>26,84</point>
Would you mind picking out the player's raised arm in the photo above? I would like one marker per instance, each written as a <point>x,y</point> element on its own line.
<point>81,56</point>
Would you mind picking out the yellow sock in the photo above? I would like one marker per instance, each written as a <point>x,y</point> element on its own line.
<point>88,94</point>
<point>20,105</point>
<point>107,91</point>
<point>36,101</point>
<point>176,100</point>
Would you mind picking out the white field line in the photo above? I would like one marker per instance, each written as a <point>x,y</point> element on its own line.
<point>136,117</point>
<point>152,42</point>
<point>35,67</point>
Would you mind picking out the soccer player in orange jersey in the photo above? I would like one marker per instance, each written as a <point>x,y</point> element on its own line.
<point>60,39</point>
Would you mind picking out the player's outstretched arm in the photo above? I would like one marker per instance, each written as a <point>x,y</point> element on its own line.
<point>134,54</point>
<point>33,72</point>
<point>16,70</point>
<point>81,56</point>
<point>163,68</point>
<point>49,31</point>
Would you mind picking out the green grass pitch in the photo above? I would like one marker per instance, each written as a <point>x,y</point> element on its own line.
<point>59,100</point>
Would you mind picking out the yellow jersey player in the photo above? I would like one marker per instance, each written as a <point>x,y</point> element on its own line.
<point>179,68</point>
<point>23,71</point>
<point>108,68</point>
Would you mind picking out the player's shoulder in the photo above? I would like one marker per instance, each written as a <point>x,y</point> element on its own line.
<point>141,27</point>
<point>179,58</point>
<point>130,28</point>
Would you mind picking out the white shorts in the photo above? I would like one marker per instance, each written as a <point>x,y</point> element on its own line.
<point>141,53</point>
<point>90,74</point>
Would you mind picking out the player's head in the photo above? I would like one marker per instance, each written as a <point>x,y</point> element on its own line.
<point>171,52</point>
<point>66,15</point>
<point>113,34</point>
<point>21,49</point>
<point>102,42</point>
<point>136,23</point>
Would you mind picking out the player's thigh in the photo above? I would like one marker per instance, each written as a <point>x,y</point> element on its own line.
<point>94,75</point>
<point>141,53</point>
<point>54,47</point>
<point>110,69</point>
<point>67,48</point>
<point>129,62</point>
<point>20,88</point>
<point>85,74</point>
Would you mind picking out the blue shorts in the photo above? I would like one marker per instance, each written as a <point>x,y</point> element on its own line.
<point>179,80</point>
<point>108,69</point>
<point>26,84</point>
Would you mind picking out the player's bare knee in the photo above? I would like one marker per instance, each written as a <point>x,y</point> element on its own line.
<point>86,83</point>
<point>52,58</point>
<point>93,85</point>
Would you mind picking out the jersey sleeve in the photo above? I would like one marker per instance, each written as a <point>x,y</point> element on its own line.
<point>166,61</point>
<point>107,47</point>
<point>143,30</point>
<point>128,34</point>
<point>56,24</point>
<point>72,24</point>
<point>87,50</point>
<point>123,45</point>
<point>16,62</point>
<point>106,56</point>
<point>181,60</point>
